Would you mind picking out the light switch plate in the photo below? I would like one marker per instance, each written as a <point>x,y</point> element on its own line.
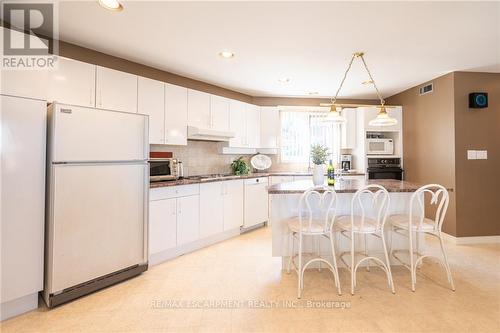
<point>482,154</point>
<point>471,154</point>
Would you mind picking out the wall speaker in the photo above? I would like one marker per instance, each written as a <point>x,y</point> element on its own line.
<point>478,100</point>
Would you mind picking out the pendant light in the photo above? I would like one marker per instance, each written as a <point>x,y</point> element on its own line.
<point>382,119</point>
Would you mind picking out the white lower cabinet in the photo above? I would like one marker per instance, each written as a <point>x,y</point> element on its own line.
<point>188,219</point>
<point>211,209</point>
<point>162,225</point>
<point>221,207</point>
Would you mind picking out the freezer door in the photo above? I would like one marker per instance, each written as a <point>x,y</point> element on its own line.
<point>85,134</point>
<point>97,223</point>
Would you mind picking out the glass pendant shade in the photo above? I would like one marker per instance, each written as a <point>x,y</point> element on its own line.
<point>334,116</point>
<point>383,119</point>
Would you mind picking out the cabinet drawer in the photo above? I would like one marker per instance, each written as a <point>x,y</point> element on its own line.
<point>173,192</point>
<point>255,181</point>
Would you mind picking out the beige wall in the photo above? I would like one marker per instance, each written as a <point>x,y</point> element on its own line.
<point>429,138</point>
<point>477,181</point>
<point>438,130</point>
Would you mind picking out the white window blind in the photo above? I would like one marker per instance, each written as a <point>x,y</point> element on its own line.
<point>300,130</point>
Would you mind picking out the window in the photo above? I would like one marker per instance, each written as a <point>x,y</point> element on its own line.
<point>299,130</point>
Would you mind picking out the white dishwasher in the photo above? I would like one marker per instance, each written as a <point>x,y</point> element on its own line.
<point>256,203</point>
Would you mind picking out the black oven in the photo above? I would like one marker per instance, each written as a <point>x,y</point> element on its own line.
<point>161,169</point>
<point>385,168</point>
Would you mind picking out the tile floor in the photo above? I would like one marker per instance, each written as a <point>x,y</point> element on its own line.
<point>242,269</point>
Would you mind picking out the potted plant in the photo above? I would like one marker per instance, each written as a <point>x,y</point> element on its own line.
<point>239,166</point>
<point>319,155</point>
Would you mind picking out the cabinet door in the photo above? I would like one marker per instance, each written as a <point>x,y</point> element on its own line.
<point>237,124</point>
<point>211,209</point>
<point>23,83</point>
<point>151,101</point>
<point>219,108</point>
<point>116,90</point>
<point>72,82</point>
<point>269,127</point>
<point>199,109</point>
<point>176,114</point>
<point>348,129</point>
<point>253,126</point>
<point>233,204</point>
<point>162,225</point>
<point>188,219</point>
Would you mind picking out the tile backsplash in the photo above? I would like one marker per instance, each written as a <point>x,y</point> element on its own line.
<point>200,157</point>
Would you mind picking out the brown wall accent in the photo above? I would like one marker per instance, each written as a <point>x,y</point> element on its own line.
<point>302,101</point>
<point>477,181</point>
<point>429,138</point>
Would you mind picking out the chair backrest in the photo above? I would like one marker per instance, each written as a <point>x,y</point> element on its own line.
<point>438,196</point>
<point>315,201</point>
<point>378,204</point>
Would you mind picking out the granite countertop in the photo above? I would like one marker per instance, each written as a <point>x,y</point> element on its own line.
<point>292,173</point>
<point>221,177</point>
<point>344,186</point>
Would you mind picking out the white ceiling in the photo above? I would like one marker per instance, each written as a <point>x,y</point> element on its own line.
<point>406,43</point>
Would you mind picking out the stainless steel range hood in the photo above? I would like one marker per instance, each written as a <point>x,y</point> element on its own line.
<point>205,134</point>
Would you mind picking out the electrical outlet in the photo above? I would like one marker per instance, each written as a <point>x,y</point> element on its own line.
<point>482,154</point>
<point>472,154</point>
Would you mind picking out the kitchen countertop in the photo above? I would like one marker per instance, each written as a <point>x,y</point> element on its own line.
<point>344,186</point>
<point>222,177</point>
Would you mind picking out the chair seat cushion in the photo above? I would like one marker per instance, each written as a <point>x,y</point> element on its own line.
<point>401,221</point>
<point>344,223</point>
<point>317,226</point>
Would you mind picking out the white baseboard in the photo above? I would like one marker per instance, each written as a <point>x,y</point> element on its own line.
<point>18,306</point>
<point>156,258</point>
<point>471,240</point>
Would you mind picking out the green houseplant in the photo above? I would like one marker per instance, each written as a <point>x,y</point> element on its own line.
<point>239,166</point>
<point>319,155</point>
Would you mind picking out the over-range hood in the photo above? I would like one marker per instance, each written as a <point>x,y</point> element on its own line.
<point>205,134</point>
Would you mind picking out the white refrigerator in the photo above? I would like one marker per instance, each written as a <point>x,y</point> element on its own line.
<point>97,206</point>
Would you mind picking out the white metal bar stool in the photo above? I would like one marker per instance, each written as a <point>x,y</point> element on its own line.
<point>317,224</point>
<point>352,225</point>
<point>416,222</point>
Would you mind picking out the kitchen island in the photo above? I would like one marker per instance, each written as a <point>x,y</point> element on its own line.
<point>284,202</point>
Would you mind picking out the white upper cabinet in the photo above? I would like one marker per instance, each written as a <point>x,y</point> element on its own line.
<point>116,90</point>
<point>253,126</point>
<point>72,82</point>
<point>199,109</point>
<point>176,114</point>
<point>219,112</point>
<point>151,101</point>
<point>348,129</point>
<point>269,127</point>
<point>237,124</point>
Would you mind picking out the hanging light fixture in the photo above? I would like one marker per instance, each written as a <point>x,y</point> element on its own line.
<point>382,119</point>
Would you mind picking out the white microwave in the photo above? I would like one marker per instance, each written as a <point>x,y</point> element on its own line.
<point>379,147</point>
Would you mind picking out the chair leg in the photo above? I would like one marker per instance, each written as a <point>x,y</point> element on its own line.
<point>412,270</point>
<point>417,248</point>
<point>366,252</point>
<point>447,266</point>
<point>388,263</point>
<point>299,271</point>
<point>352,263</point>
<point>290,245</point>
<point>335,267</point>
<point>319,253</point>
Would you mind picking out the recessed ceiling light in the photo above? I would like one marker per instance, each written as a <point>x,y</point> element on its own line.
<point>284,80</point>
<point>113,5</point>
<point>313,93</point>
<point>226,54</point>
<point>367,82</point>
